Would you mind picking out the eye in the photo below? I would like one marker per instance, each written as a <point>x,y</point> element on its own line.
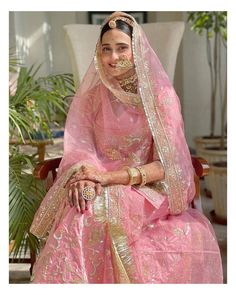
<point>106,49</point>
<point>123,48</point>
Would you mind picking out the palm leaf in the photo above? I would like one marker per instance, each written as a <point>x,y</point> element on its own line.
<point>32,108</point>
<point>25,194</point>
<point>14,61</point>
<point>19,122</point>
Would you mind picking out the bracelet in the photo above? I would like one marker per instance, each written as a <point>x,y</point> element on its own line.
<point>133,175</point>
<point>143,175</point>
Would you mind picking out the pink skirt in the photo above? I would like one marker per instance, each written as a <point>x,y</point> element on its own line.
<point>128,236</point>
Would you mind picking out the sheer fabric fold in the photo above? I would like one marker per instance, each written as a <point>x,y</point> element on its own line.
<point>129,234</point>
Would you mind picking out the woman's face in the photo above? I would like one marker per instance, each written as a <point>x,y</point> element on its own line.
<point>116,47</point>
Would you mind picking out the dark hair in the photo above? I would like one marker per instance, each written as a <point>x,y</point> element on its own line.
<point>121,25</point>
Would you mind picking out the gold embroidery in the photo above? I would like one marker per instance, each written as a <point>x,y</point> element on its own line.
<point>158,186</point>
<point>99,209</point>
<point>46,213</point>
<point>130,84</point>
<point>95,236</point>
<point>64,269</point>
<point>173,175</point>
<point>121,275</point>
<point>122,260</point>
<point>131,139</point>
<point>182,231</point>
<point>113,154</point>
<point>125,142</point>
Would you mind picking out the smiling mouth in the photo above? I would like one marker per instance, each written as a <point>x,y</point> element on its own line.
<point>114,66</point>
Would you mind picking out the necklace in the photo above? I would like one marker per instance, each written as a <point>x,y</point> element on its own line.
<point>129,84</point>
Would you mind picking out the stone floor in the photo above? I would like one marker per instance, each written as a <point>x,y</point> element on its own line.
<point>19,273</point>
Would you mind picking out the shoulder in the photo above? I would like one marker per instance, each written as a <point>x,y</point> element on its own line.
<point>94,92</point>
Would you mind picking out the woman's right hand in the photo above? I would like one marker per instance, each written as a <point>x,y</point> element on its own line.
<point>75,197</point>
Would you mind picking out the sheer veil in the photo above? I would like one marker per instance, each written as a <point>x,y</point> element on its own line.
<point>161,104</point>
<point>156,99</point>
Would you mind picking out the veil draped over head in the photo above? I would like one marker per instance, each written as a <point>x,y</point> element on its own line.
<point>156,98</point>
<point>162,108</point>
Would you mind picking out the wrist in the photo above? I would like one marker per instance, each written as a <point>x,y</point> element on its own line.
<point>107,178</point>
<point>134,176</point>
<point>116,177</point>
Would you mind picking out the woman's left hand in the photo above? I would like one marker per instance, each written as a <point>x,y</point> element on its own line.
<point>92,174</point>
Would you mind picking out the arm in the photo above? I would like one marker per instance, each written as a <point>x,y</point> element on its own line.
<point>154,171</point>
<point>92,177</point>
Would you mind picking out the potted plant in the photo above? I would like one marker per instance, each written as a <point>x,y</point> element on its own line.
<point>214,25</point>
<point>33,104</point>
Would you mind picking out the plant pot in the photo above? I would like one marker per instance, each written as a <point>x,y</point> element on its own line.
<point>41,135</point>
<point>213,154</point>
<point>207,141</point>
<point>218,184</point>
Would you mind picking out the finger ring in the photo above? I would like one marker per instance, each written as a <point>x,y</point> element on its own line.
<point>88,193</point>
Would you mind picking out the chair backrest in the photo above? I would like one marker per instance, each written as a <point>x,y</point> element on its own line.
<point>164,37</point>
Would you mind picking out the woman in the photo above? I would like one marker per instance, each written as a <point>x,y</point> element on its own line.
<point>119,210</point>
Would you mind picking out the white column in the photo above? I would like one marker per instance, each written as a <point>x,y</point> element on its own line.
<point>33,39</point>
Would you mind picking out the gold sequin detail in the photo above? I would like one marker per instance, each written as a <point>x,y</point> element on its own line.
<point>130,84</point>
<point>113,154</point>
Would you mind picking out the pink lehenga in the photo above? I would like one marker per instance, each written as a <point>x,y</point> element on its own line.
<point>129,234</point>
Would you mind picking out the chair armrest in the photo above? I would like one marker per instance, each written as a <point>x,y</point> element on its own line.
<point>43,168</point>
<point>200,166</point>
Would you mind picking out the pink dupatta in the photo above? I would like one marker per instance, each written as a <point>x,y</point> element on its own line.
<point>162,109</point>
<point>126,221</point>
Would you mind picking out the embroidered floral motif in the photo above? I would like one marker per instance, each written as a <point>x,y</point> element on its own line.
<point>113,154</point>
<point>130,149</point>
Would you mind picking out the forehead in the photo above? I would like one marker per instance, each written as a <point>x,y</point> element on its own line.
<point>115,36</point>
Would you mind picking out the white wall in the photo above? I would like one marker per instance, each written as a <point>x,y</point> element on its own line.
<point>57,20</point>
<point>40,39</point>
<point>32,32</point>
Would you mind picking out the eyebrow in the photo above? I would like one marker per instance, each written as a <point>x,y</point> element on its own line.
<point>106,44</point>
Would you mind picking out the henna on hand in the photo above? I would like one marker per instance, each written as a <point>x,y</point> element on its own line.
<point>75,198</point>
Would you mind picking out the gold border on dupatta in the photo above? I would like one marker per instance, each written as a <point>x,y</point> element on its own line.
<point>123,264</point>
<point>47,211</point>
<point>173,183</point>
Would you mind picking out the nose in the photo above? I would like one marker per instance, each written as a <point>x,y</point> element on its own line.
<point>114,55</point>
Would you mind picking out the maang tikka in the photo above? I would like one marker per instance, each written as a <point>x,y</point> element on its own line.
<point>112,22</point>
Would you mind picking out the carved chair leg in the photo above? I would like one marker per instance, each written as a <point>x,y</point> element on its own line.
<point>32,260</point>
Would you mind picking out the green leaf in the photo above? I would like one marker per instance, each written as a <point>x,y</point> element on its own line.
<point>25,195</point>
<point>36,103</point>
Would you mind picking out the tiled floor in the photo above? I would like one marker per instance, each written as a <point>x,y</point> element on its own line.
<point>19,273</point>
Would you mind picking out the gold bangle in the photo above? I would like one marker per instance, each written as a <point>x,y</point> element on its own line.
<point>133,175</point>
<point>143,175</point>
